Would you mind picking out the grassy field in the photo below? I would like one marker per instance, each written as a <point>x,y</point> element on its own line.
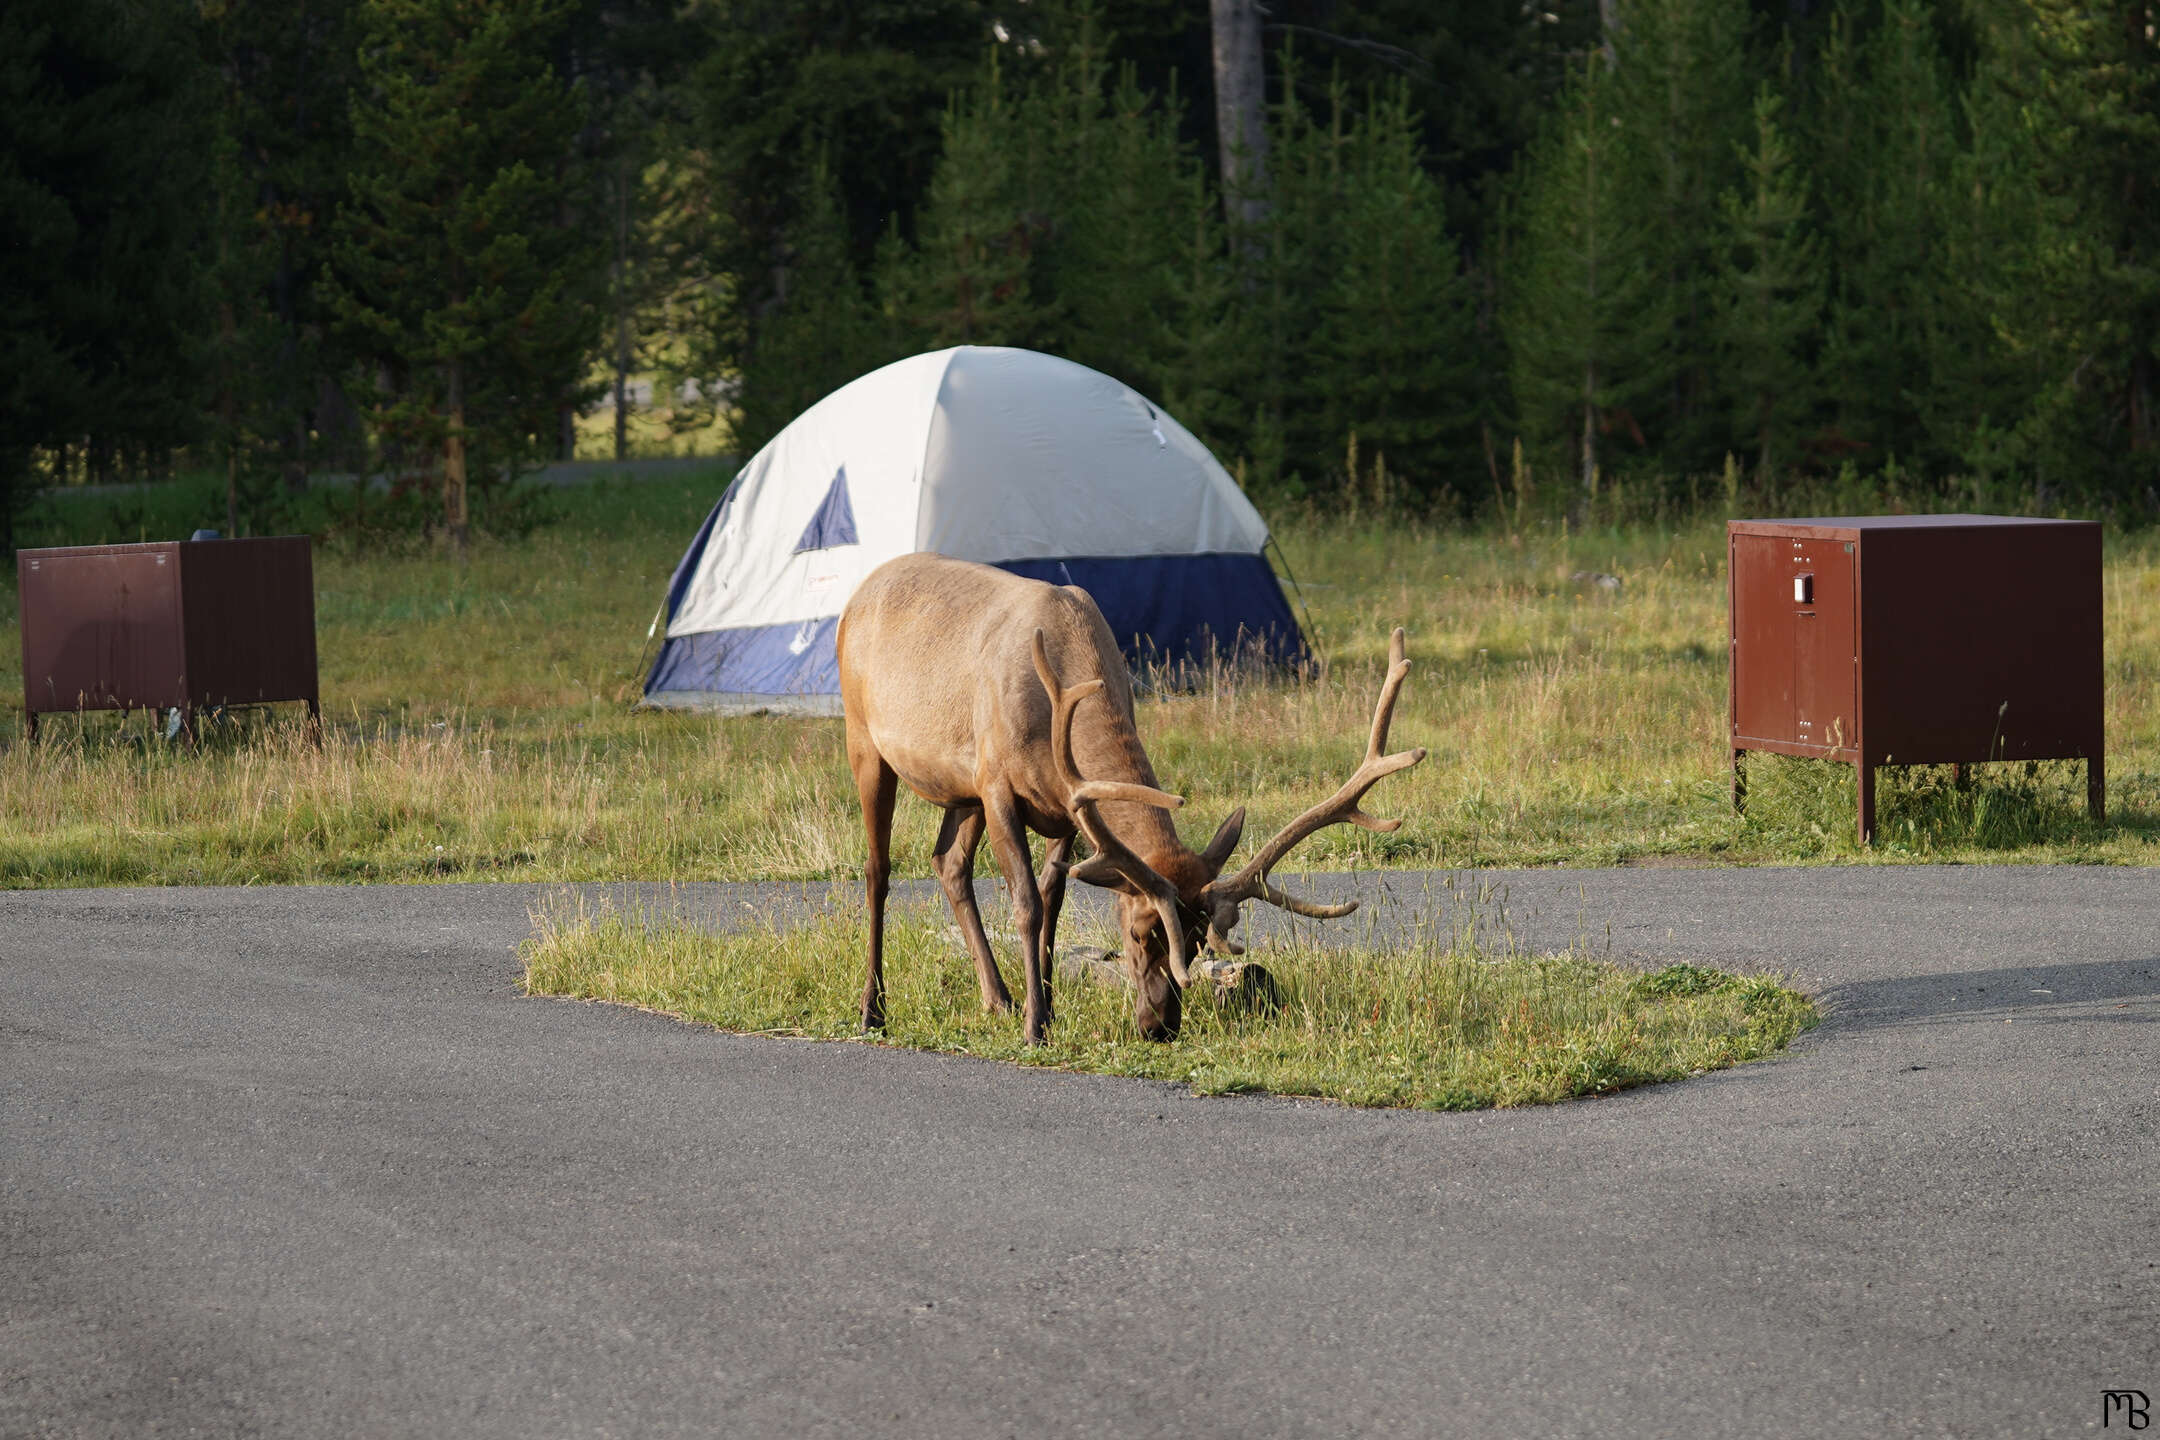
<point>480,725</point>
<point>1434,1023</point>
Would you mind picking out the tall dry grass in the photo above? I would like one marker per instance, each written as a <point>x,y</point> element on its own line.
<point>480,727</point>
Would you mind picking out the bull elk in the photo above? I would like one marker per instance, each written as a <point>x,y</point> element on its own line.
<point>1006,702</point>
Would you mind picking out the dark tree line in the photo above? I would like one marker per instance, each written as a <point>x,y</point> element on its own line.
<point>103,296</point>
<point>1485,253</point>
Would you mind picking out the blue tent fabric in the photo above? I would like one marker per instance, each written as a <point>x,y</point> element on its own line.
<point>1165,610</point>
<point>680,580</point>
<point>1183,609</point>
<point>759,660</point>
<point>834,522</point>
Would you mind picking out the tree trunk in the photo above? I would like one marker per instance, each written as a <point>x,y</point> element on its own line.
<point>622,405</point>
<point>453,475</point>
<point>1240,100</point>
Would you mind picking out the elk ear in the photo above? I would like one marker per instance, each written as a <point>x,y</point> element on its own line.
<point>1218,851</point>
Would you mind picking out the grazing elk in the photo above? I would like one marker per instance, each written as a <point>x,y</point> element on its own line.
<point>1006,702</point>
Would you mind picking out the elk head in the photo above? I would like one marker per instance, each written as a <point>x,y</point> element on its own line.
<point>1173,904</point>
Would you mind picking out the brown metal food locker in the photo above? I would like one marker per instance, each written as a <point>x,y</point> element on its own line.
<point>169,625</point>
<point>1916,640</point>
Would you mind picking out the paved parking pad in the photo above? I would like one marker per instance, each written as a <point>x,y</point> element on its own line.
<point>305,1162</point>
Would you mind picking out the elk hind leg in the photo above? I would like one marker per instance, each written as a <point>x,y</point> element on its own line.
<point>877,785</point>
<point>954,860</point>
<point>1008,836</point>
<point>1052,887</point>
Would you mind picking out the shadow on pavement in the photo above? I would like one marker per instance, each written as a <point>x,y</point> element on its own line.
<point>2100,990</point>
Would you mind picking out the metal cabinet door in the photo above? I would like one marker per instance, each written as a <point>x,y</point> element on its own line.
<point>1762,626</point>
<point>101,628</point>
<point>1824,675</point>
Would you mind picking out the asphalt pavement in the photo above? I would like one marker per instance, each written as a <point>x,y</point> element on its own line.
<point>306,1162</point>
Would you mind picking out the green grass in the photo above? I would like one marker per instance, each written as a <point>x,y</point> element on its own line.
<point>1435,1023</point>
<point>481,725</point>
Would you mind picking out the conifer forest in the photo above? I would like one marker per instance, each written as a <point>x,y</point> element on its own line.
<point>1455,256</point>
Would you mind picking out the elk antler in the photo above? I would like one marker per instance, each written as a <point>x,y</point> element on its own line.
<point>1113,858</point>
<point>1223,897</point>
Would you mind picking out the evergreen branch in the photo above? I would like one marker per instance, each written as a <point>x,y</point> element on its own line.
<point>1406,62</point>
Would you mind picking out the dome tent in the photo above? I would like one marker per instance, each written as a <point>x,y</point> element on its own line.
<point>1010,457</point>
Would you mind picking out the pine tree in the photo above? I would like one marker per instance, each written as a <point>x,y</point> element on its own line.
<point>1885,127</point>
<point>284,76</point>
<point>1769,293</point>
<point>2086,320</point>
<point>1398,337</point>
<point>1135,260</point>
<point>101,300</point>
<point>631,57</point>
<point>1117,232</point>
<point>1481,75</point>
<point>44,391</point>
<point>1983,271</point>
<point>826,332</point>
<point>455,270</point>
<point>1200,339</point>
<point>784,79</point>
<point>1587,314</point>
<point>1679,96</point>
<point>971,279</point>
<point>1288,268</point>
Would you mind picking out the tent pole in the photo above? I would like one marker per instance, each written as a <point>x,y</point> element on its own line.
<point>644,659</point>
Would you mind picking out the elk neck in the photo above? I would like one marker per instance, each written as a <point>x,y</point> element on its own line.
<point>1112,751</point>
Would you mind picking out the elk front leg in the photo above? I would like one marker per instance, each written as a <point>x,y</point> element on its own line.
<point>1052,886</point>
<point>954,859</point>
<point>1008,836</point>
<point>876,784</point>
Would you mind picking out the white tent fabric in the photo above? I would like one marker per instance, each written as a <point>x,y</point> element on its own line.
<point>1005,456</point>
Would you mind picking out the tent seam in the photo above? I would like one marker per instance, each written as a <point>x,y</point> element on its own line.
<point>922,458</point>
